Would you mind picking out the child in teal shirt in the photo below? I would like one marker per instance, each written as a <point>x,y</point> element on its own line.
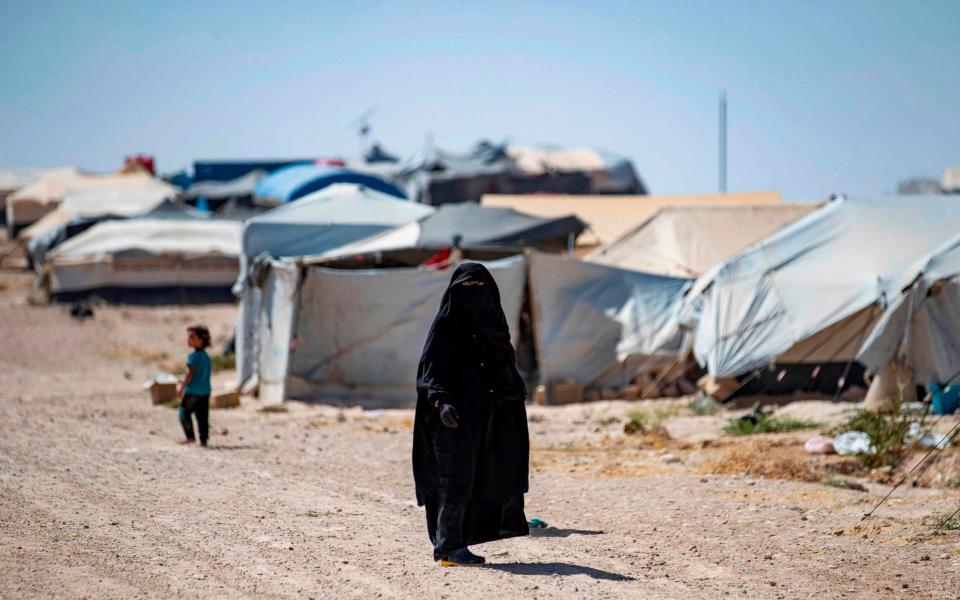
<point>195,388</point>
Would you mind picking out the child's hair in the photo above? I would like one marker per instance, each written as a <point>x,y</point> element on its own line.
<point>202,333</point>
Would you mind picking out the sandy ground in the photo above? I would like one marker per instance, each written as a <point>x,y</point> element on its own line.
<point>97,501</point>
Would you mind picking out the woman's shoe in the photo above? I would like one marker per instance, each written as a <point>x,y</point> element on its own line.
<point>461,558</point>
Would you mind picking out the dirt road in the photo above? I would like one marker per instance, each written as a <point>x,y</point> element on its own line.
<point>97,501</point>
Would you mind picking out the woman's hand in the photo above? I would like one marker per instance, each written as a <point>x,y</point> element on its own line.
<point>449,416</point>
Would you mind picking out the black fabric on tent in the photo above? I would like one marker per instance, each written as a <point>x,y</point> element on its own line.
<point>487,226</point>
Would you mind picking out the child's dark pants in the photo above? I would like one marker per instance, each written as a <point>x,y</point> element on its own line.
<point>199,406</point>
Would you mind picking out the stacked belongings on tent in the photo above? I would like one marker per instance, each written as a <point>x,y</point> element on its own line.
<point>917,340</point>
<point>792,311</point>
<point>334,216</point>
<point>435,176</point>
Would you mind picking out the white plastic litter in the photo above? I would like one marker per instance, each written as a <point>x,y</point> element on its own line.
<point>928,439</point>
<point>853,442</point>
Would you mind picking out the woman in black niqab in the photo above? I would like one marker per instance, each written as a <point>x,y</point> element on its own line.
<point>470,444</point>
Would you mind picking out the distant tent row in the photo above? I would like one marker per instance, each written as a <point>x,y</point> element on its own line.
<point>436,176</point>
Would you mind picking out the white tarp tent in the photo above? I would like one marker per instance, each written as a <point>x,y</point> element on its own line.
<point>147,254</point>
<point>815,275</point>
<point>921,327</point>
<point>332,217</point>
<point>358,333</point>
<point>594,324</point>
<point>686,241</point>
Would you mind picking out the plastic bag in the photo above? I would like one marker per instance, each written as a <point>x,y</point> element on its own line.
<point>853,442</point>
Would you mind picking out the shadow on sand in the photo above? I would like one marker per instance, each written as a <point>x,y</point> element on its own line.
<point>557,568</point>
<point>562,533</point>
<point>227,447</point>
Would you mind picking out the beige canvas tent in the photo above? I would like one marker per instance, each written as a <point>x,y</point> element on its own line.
<point>12,179</point>
<point>685,241</point>
<point>610,217</point>
<point>90,203</point>
<point>31,203</point>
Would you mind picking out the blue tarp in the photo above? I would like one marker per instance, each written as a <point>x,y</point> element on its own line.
<point>296,181</point>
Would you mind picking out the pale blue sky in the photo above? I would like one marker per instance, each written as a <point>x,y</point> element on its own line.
<point>824,96</point>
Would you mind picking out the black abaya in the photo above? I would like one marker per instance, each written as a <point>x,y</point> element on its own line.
<point>472,478</point>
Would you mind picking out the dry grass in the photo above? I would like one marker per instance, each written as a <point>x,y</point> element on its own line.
<point>768,458</point>
<point>145,356</point>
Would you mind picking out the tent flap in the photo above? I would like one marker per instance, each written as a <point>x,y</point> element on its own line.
<point>593,322</point>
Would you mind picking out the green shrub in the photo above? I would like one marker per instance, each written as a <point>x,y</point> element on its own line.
<point>846,484</point>
<point>767,424</point>
<point>638,421</point>
<point>221,362</point>
<point>704,406</point>
<point>886,432</point>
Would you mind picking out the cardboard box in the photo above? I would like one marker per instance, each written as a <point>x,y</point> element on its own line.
<point>718,389</point>
<point>162,392</point>
<point>540,396</point>
<point>225,399</point>
<point>563,392</point>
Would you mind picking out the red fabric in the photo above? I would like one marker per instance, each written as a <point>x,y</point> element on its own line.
<point>440,259</point>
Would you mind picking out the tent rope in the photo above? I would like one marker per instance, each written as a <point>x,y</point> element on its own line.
<point>937,448</point>
<point>864,331</point>
<point>945,521</point>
